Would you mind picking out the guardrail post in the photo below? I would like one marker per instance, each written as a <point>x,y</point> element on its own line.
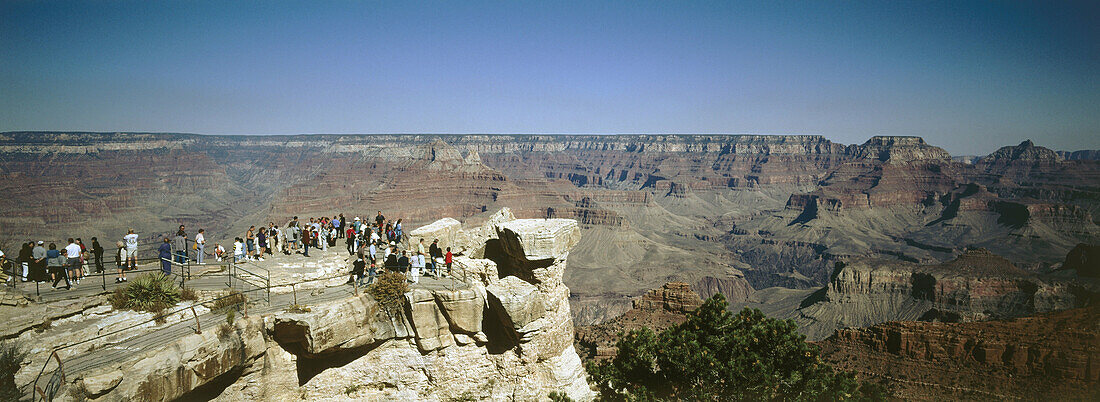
<point>293,289</point>
<point>103,278</point>
<point>198,326</point>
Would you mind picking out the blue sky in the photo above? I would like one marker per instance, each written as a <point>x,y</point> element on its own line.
<point>967,76</point>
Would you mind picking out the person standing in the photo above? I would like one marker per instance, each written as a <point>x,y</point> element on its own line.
<point>38,267</point>
<point>340,223</point>
<point>305,241</point>
<point>379,219</point>
<point>357,269</point>
<point>448,259</point>
<point>165,252</point>
<point>57,269</point>
<point>120,258</point>
<point>25,260</point>
<point>434,255</point>
<point>261,243</point>
<point>131,240</point>
<point>200,247</point>
<point>350,240</point>
<point>72,256</point>
<point>97,254</point>
<point>250,242</point>
<point>238,250</point>
<point>83,260</point>
<point>416,265</point>
<point>179,245</point>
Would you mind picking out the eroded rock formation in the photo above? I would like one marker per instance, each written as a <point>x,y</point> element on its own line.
<point>1052,355</point>
<point>507,334</point>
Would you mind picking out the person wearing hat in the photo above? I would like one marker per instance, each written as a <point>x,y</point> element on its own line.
<point>38,262</point>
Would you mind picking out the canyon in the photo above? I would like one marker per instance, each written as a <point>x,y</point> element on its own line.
<point>865,246</point>
<point>734,214</point>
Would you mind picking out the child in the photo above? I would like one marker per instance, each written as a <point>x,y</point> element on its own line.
<point>448,259</point>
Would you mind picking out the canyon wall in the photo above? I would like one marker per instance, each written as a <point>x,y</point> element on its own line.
<point>725,213</point>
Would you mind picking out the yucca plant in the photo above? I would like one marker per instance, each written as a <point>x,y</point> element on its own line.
<point>151,292</point>
<point>12,355</point>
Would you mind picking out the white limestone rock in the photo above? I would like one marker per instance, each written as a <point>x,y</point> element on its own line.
<point>538,239</point>
<point>517,303</point>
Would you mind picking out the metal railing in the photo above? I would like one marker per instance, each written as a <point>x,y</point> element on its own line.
<point>14,271</point>
<point>57,376</point>
<point>247,278</point>
<point>248,273</point>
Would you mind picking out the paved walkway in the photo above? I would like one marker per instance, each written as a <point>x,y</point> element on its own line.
<point>214,278</point>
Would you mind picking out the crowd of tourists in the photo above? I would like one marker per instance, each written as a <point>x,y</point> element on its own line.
<point>378,245</point>
<point>375,246</point>
<point>50,263</point>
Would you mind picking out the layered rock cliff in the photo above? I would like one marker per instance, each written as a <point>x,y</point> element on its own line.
<point>724,213</point>
<point>976,286</point>
<point>1052,355</point>
<point>506,334</point>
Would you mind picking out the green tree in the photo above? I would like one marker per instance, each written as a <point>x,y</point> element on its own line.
<point>718,355</point>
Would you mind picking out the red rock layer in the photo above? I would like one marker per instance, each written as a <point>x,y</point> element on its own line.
<point>1054,355</point>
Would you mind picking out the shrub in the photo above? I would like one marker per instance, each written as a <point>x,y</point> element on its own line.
<point>389,290</point>
<point>189,294</point>
<point>298,308</point>
<point>351,389</point>
<point>229,298</point>
<point>118,299</point>
<point>717,355</point>
<point>12,355</point>
<point>230,315</point>
<point>152,292</point>
<point>556,396</point>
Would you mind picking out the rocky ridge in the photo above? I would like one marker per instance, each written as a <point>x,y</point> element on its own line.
<point>507,335</point>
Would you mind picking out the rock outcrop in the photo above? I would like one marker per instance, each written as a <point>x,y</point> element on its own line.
<point>976,286</point>
<point>657,309</point>
<point>507,334</point>
<point>1052,355</point>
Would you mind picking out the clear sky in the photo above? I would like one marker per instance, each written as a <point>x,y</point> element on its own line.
<point>967,76</point>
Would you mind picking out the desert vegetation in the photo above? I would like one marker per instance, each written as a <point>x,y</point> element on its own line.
<point>719,355</point>
<point>389,290</point>
<point>12,355</point>
<point>152,292</point>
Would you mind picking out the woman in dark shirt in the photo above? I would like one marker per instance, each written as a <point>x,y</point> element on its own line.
<point>165,257</point>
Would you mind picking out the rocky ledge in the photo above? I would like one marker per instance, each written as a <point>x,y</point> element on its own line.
<point>507,334</point>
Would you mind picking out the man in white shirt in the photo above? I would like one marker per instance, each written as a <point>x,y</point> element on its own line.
<point>200,247</point>
<point>131,240</point>
<point>72,253</point>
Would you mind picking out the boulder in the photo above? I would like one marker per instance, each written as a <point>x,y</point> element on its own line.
<point>517,303</point>
<point>475,269</point>
<point>446,230</point>
<point>538,239</point>
<point>429,324</point>
<point>343,325</point>
<point>464,309</point>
